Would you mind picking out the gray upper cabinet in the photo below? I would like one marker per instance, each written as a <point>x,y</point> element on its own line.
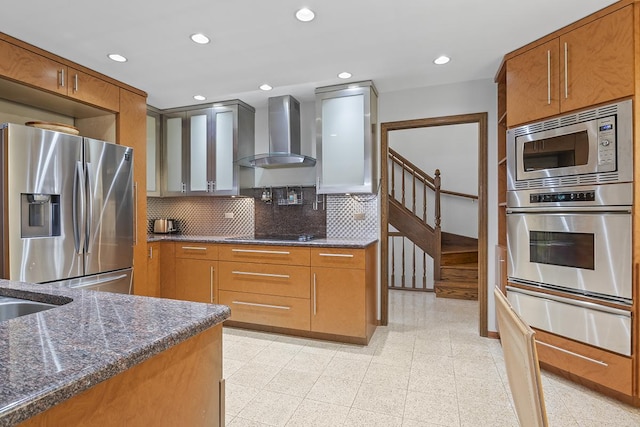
<point>346,137</point>
<point>153,152</point>
<point>200,147</point>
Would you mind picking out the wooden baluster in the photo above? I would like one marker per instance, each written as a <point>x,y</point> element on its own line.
<point>424,270</point>
<point>403,174</point>
<point>437,199</point>
<point>393,177</point>
<point>413,176</point>
<point>413,278</point>
<point>424,201</point>
<point>403,261</point>
<point>393,261</point>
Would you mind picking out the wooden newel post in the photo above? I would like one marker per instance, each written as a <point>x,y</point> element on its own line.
<point>436,183</point>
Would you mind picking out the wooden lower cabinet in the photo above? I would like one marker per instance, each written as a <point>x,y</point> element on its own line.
<point>181,386</point>
<point>196,280</point>
<point>153,272</point>
<point>596,365</point>
<point>338,301</point>
<point>270,310</point>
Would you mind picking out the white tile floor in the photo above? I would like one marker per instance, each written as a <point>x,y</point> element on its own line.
<point>429,367</point>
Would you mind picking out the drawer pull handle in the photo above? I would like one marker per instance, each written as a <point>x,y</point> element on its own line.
<point>338,255</point>
<point>253,304</point>
<point>255,251</point>
<point>194,248</point>
<point>588,359</point>
<point>247,273</point>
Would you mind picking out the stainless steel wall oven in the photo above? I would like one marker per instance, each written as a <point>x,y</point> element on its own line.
<point>569,227</point>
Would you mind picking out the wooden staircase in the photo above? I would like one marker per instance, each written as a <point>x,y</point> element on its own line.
<point>458,268</point>
<point>455,257</point>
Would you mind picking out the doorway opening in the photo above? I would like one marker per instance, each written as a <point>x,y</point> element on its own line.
<point>480,122</point>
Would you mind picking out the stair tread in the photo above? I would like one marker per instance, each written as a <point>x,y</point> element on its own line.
<point>457,284</point>
<point>462,266</point>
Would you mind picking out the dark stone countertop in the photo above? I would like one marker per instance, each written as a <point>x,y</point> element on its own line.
<point>249,240</point>
<point>48,357</point>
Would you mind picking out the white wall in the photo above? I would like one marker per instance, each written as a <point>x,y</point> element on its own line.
<point>454,99</point>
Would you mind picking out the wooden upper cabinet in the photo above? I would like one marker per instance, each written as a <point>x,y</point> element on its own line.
<point>532,84</point>
<point>599,61</point>
<point>592,64</point>
<point>92,90</point>
<point>32,69</point>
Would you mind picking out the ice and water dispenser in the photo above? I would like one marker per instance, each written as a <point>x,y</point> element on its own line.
<point>40,215</point>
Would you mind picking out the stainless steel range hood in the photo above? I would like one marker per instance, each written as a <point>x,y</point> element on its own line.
<point>284,137</point>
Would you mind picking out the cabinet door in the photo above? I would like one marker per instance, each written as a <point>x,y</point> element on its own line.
<point>196,280</point>
<point>32,69</point>
<point>346,135</point>
<point>173,183</point>
<point>153,271</point>
<point>92,90</point>
<point>224,171</point>
<point>153,154</point>
<point>597,63</point>
<point>532,84</point>
<point>338,301</point>
<point>199,147</point>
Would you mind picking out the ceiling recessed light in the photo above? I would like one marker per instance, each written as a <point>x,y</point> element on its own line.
<point>199,97</point>
<point>117,57</point>
<point>305,14</point>
<point>265,87</point>
<point>344,75</point>
<point>200,38</point>
<point>441,60</point>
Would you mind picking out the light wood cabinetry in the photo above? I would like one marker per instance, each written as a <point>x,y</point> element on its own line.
<point>32,69</point>
<point>286,255</point>
<point>180,386</point>
<point>131,131</point>
<point>196,272</point>
<point>92,90</point>
<point>585,65</point>
<point>153,272</point>
<point>268,310</point>
<point>343,295</point>
<point>592,61</point>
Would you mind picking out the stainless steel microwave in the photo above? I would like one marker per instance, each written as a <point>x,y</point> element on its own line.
<point>589,147</point>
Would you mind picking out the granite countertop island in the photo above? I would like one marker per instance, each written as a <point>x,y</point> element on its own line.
<point>250,240</point>
<point>53,355</point>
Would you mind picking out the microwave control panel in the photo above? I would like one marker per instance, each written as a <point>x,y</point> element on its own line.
<point>574,196</point>
<point>607,141</point>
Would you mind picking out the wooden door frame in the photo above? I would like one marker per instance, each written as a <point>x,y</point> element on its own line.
<point>481,120</point>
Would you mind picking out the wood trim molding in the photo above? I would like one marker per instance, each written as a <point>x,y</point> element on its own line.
<point>482,120</point>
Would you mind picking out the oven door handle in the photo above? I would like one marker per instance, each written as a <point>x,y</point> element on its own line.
<point>577,303</point>
<point>564,210</point>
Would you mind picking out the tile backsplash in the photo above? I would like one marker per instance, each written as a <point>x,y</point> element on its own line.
<point>204,216</point>
<point>343,216</point>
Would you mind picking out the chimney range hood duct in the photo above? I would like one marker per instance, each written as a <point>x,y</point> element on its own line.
<point>284,137</point>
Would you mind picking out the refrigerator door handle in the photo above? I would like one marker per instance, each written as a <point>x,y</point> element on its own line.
<point>78,181</point>
<point>89,223</point>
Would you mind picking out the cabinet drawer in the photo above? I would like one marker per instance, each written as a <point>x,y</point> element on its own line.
<point>288,255</point>
<point>600,366</point>
<point>271,279</point>
<point>284,312</point>
<point>196,251</point>
<point>338,257</point>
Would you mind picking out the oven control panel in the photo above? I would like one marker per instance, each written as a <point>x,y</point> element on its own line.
<point>574,196</point>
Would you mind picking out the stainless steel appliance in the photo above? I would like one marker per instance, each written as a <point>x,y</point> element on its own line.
<point>589,147</point>
<point>569,225</point>
<point>164,226</point>
<point>68,209</point>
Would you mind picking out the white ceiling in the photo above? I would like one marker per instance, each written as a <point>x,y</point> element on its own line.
<point>392,42</point>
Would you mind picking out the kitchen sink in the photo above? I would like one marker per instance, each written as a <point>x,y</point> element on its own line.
<point>15,307</point>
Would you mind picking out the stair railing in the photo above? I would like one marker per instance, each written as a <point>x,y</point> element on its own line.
<point>418,179</point>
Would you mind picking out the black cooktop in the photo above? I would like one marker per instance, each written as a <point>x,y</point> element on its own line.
<point>287,237</point>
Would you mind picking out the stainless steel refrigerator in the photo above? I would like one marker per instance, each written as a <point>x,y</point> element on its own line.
<point>67,209</point>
